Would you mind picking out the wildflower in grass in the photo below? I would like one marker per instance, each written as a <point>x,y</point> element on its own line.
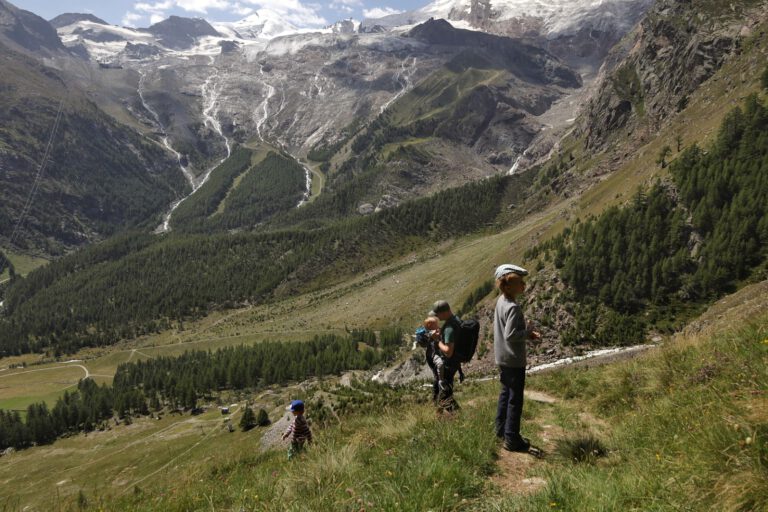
<point>765,341</point>
<point>552,504</point>
<point>658,457</point>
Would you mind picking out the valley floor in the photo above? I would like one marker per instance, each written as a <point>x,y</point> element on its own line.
<point>683,427</point>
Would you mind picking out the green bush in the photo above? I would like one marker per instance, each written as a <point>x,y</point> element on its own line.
<point>248,420</point>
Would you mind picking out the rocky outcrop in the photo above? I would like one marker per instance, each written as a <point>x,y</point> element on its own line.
<point>141,51</point>
<point>650,75</point>
<point>344,27</point>
<point>414,368</point>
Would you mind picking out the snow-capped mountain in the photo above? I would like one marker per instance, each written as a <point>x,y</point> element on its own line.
<point>102,42</point>
<point>550,18</point>
<point>264,24</point>
<point>198,88</point>
<point>175,36</point>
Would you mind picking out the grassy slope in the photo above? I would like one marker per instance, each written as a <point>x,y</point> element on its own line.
<point>119,459</point>
<point>661,418</point>
<point>23,263</point>
<point>671,443</point>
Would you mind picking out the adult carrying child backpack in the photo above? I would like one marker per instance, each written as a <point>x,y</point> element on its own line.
<point>466,343</point>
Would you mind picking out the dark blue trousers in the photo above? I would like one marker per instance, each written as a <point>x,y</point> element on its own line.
<point>435,376</point>
<point>510,408</point>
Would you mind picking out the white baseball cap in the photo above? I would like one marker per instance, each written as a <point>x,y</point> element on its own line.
<point>508,268</point>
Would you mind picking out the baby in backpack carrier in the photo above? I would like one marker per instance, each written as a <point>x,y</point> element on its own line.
<point>427,337</point>
<point>428,333</point>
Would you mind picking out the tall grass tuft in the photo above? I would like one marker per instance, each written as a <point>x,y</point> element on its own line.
<point>581,449</point>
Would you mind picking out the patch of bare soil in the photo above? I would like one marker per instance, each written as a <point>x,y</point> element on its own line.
<point>513,467</point>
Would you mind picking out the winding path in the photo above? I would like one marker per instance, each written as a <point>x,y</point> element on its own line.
<point>87,373</point>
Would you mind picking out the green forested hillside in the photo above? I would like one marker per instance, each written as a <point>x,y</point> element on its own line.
<point>676,245</point>
<point>74,302</point>
<point>196,209</point>
<point>243,192</point>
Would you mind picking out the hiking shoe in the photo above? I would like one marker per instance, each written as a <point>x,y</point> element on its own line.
<point>523,445</point>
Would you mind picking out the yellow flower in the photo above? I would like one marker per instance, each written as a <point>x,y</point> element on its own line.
<point>658,456</point>
<point>552,504</point>
<point>765,341</point>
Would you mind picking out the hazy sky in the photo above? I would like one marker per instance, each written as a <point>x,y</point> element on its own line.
<point>304,13</point>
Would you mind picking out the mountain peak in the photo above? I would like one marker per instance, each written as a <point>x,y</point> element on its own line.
<point>26,31</point>
<point>68,18</point>
<point>180,33</point>
<point>262,24</point>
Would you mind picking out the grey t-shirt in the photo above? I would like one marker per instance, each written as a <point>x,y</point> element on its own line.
<point>509,334</point>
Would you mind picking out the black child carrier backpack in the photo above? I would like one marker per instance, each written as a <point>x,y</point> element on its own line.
<point>466,344</point>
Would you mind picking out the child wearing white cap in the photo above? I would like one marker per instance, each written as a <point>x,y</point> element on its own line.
<point>510,333</point>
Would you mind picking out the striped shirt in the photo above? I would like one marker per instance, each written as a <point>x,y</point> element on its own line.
<point>299,430</point>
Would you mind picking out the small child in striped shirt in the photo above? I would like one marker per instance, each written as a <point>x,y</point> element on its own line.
<point>299,431</point>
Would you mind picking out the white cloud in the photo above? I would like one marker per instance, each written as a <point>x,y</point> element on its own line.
<point>345,5</point>
<point>203,6</point>
<point>379,12</point>
<point>242,10</point>
<point>156,18</point>
<point>153,7</point>
<point>294,11</point>
<point>131,19</point>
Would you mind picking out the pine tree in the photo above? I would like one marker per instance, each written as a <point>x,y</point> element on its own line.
<point>248,421</point>
<point>262,419</point>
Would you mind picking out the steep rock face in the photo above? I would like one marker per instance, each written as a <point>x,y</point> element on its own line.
<point>467,119</point>
<point>650,75</point>
<point>24,31</point>
<point>525,61</point>
<point>140,51</point>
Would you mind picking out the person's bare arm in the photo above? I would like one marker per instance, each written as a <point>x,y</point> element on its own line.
<point>532,332</point>
<point>446,349</point>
